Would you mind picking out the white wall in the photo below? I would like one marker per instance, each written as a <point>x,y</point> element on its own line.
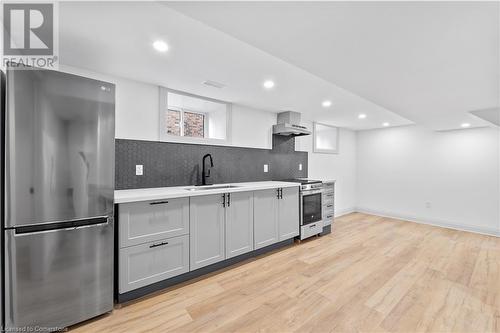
<point>252,127</point>
<point>137,105</point>
<point>340,167</point>
<point>137,113</point>
<point>444,178</point>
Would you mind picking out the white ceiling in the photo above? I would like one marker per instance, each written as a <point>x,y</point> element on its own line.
<point>490,115</point>
<point>116,37</point>
<point>430,62</point>
<point>427,63</point>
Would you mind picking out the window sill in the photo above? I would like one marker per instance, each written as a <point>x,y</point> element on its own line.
<point>200,141</point>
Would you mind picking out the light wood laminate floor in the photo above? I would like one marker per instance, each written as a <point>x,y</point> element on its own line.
<point>371,274</point>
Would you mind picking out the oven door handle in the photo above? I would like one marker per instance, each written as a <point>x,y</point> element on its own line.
<point>310,192</point>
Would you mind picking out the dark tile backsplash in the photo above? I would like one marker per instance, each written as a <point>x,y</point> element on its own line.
<point>179,164</point>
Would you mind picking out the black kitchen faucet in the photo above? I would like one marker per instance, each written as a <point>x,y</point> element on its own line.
<point>206,173</point>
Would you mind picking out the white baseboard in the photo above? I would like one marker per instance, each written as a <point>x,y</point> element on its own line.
<point>345,211</point>
<point>437,223</point>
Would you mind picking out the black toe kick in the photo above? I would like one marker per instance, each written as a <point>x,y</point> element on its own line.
<point>140,292</point>
<point>326,230</point>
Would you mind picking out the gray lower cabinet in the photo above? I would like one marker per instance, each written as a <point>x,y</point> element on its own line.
<point>265,218</point>
<point>146,221</point>
<point>239,223</point>
<point>144,264</point>
<point>288,213</point>
<point>161,239</point>
<point>207,235</point>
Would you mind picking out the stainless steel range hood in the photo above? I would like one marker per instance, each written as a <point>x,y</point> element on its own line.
<point>289,125</point>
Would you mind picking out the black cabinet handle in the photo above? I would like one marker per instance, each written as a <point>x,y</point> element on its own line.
<point>229,199</point>
<point>312,226</point>
<point>158,244</point>
<point>329,206</point>
<point>329,216</point>
<point>278,191</point>
<point>159,202</point>
<point>224,200</point>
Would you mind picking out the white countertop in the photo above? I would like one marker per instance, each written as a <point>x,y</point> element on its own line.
<point>157,193</point>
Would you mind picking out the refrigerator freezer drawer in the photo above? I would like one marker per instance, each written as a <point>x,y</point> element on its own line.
<point>56,278</point>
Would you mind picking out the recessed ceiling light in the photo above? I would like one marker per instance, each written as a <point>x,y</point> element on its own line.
<point>160,46</point>
<point>362,116</point>
<point>465,125</point>
<point>386,124</point>
<point>268,84</point>
<point>326,104</point>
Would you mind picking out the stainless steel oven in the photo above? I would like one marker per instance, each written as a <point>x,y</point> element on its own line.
<point>311,209</point>
<point>310,203</point>
<point>311,206</point>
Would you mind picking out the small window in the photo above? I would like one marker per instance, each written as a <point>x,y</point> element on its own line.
<point>326,139</point>
<point>189,118</point>
<point>185,123</point>
<point>173,122</point>
<point>194,124</point>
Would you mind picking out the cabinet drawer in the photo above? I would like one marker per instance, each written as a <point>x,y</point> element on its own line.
<point>147,221</point>
<point>328,196</point>
<point>327,187</point>
<point>327,207</point>
<point>311,229</point>
<point>328,201</point>
<point>144,264</point>
<point>327,213</point>
<point>328,218</point>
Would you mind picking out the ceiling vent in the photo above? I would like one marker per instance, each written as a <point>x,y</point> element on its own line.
<point>214,84</point>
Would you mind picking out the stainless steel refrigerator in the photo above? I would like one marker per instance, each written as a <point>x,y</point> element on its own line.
<point>58,198</point>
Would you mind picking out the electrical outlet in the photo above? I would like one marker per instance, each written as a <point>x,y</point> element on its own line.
<point>428,205</point>
<point>300,166</point>
<point>266,168</point>
<point>139,170</point>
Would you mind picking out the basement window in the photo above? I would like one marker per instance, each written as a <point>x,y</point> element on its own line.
<point>325,139</point>
<point>181,122</point>
<point>193,119</point>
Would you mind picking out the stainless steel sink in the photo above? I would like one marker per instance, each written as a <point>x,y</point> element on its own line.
<point>210,187</point>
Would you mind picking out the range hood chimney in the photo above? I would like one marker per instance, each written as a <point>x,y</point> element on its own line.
<point>289,125</point>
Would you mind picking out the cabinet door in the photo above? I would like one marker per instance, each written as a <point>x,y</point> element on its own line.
<point>206,223</point>
<point>239,224</point>
<point>289,213</point>
<point>265,218</point>
<point>147,221</point>
<point>143,264</point>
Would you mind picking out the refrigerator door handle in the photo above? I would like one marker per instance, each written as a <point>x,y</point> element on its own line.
<point>92,225</point>
<point>67,225</point>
